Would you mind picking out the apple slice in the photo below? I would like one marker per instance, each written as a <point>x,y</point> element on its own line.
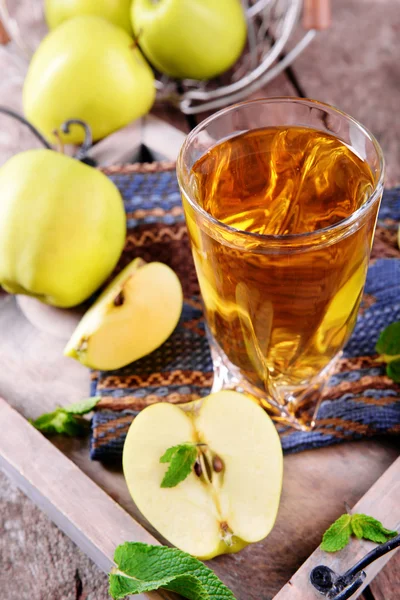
<point>216,512</point>
<point>134,315</point>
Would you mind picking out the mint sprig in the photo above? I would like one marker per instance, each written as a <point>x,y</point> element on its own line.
<point>371,529</point>
<point>181,458</point>
<point>388,346</point>
<point>389,340</point>
<point>143,568</point>
<point>338,535</point>
<point>362,526</point>
<point>66,420</point>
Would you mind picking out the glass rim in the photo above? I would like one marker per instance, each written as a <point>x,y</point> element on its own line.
<point>291,237</point>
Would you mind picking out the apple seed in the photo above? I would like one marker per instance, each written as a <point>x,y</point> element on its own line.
<point>119,299</point>
<point>198,469</point>
<point>217,463</point>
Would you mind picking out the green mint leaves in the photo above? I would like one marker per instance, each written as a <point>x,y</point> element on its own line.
<point>388,346</point>
<point>143,568</point>
<point>82,407</point>
<point>338,535</point>
<point>181,459</point>
<point>369,528</point>
<point>362,526</point>
<point>66,420</point>
<point>389,340</point>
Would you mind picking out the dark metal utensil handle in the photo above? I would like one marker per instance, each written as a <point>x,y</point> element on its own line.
<point>341,587</point>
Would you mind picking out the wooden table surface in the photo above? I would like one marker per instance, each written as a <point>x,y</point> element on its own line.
<point>354,66</point>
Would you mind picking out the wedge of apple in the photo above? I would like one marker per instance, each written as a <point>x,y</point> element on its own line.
<point>235,499</point>
<point>134,315</point>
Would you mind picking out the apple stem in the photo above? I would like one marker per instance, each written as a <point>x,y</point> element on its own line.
<point>88,140</point>
<point>60,143</point>
<point>11,113</point>
<point>135,43</point>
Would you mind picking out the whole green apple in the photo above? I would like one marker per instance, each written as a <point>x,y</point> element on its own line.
<point>115,11</point>
<point>87,69</point>
<point>199,39</point>
<point>62,227</point>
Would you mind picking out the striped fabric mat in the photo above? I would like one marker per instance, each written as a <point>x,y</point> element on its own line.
<point>360,400</point>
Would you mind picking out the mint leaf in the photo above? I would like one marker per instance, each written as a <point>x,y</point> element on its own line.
<point>363,527</point>
<point>181,459</point>
<point>338,535</point>
<point>389,340</point>
<point>357,526</point>
<point>169,454</point>
<point>53,422</point>
<point>393,370</point>
<point>82,407</point>
<point>143,568</point>
<point>60,422</point>
<point>369,528</point>
<point>66,420</point>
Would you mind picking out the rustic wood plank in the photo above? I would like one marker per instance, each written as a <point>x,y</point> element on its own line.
<point>35,377</point>
<point>381,501</point>
<point>386,585</point>
<point>349,65</point>
<point>78,506</point>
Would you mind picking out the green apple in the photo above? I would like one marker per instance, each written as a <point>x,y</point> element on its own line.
<point>62,227</point>
<point>87,69</point>
<point>234,499</point>
<point>115,11</point>
<point>199,39</point>
<point>134,315</point>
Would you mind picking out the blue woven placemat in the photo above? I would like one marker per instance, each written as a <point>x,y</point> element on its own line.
<point>360,400</point>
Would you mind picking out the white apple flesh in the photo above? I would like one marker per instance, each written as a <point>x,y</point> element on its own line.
<point>207,517</point>
<point>134,315</point>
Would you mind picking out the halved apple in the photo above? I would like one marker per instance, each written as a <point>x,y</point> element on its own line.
<point>234,500</point>
<point>134,315</point>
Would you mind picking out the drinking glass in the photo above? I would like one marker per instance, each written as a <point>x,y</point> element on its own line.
<point>280,308</point>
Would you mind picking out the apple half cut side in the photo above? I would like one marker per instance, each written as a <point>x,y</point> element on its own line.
<point>134,315</point>
<point>226,510</point>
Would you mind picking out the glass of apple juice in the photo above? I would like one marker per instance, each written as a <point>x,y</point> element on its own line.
<point>281,197</point>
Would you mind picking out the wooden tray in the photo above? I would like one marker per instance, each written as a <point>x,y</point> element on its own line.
<point>90,502</point>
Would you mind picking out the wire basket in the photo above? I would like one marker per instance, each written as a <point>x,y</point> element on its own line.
<point>272,26</point>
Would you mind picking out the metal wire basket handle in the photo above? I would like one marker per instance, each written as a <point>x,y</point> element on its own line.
<point>270,25</point>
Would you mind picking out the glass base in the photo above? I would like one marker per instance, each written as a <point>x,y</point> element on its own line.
<point>294,406</point>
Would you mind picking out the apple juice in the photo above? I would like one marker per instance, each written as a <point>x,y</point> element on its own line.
<point>281,286</point>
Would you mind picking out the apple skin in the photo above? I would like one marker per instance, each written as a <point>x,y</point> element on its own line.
<point>62,227</point>
<point>115,11</point>
<point>87,69</point>
<point>199,39</point>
